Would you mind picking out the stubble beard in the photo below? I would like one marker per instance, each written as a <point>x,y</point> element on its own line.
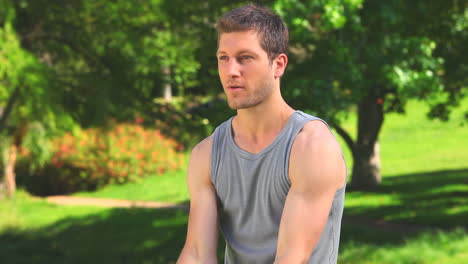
<point>259,95</point>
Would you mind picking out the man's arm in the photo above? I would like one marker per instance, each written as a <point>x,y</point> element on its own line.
<point>316,171</point>
<point>202,234</point>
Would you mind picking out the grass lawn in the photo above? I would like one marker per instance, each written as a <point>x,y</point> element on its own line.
<point>411,143</point>
<point>39,232</point>
<point>424,192</point>
<point>170,187</point>
<point>44,233</point>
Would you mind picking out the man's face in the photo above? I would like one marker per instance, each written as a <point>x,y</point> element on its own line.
<point>245,71</point>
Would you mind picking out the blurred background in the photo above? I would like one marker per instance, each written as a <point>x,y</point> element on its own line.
<point>102,101</point>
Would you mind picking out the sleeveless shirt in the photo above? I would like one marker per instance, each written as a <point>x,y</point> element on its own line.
<point>251,191</point>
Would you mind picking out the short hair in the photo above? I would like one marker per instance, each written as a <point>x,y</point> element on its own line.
<point>271,29</point>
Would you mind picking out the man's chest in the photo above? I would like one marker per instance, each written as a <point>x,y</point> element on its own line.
<point>251,187</point>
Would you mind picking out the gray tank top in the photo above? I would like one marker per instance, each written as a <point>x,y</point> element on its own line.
<point>251,190</point>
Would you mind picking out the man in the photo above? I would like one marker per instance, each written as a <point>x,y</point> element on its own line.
<point>273,178</point>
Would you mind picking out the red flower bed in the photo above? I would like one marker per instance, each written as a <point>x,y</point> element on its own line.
<point>95,157</point>
<point>123,154</point>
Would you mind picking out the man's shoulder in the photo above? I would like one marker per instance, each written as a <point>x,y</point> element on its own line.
<point>316,143</point>
<point>317,155</point>
<point>315,133</point>
<point>199,164</point>
<point>203,147</point>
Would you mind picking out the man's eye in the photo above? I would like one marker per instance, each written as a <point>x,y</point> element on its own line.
<point>244,58</point>
<point>222,58</point>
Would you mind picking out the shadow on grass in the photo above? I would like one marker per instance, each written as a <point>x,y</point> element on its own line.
<point>116,236</point>
<point>112,236</point>
<point>438,199</point>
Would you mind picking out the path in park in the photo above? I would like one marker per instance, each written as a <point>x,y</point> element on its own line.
<point>117,203</point>
<point>111,203</point>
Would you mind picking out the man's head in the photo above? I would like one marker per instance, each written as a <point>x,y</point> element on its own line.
<point>252,43</point>
<point>272,31</point>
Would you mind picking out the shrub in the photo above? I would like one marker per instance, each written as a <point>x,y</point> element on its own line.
<point>93,157</point>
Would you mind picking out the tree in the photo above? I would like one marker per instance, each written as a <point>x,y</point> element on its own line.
<point>374,56</point>
<point>27,101</point>
<point>82,62</point>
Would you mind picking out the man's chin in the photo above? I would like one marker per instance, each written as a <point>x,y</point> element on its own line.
<point>233,106</point>
<point>241,105</point>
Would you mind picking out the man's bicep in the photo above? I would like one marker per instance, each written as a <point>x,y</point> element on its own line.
<point>303,220</point>
<point>202,232</point>
<point>203,217</point>
<point>316,172</point>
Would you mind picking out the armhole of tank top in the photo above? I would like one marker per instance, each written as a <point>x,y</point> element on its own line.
<point>296,132</point>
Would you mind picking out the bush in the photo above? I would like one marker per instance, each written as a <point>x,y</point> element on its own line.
<point>95,157</point>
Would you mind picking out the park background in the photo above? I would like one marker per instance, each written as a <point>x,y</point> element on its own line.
<point>105,99</point>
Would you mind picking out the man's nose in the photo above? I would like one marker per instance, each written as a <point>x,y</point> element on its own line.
<point>234,68</point>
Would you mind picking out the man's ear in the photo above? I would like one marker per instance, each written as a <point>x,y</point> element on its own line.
<point>280,64</point>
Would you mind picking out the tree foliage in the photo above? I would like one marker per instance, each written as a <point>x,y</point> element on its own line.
<point>395,50</point>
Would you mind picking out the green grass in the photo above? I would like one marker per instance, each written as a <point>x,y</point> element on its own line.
<point>438,199</point>
<point>45,233</point>
<point>365,246</point>
<point>424,191</point>
<point>411,143</point>
<point>170,187</point>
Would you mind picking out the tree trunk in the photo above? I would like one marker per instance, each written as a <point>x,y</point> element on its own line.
<point>10,177</point>
<point>167,84</point>
<point>366,153</point>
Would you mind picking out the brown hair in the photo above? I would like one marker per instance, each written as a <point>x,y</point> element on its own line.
<point>272,31</point>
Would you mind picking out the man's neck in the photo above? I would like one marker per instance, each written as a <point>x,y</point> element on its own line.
<point>256,127</point>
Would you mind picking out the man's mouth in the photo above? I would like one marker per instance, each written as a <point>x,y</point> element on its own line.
<point>235,87</point>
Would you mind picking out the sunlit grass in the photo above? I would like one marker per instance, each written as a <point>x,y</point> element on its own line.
<point>170,187</point>
<point>24,212</point>
<point>412,143</point>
